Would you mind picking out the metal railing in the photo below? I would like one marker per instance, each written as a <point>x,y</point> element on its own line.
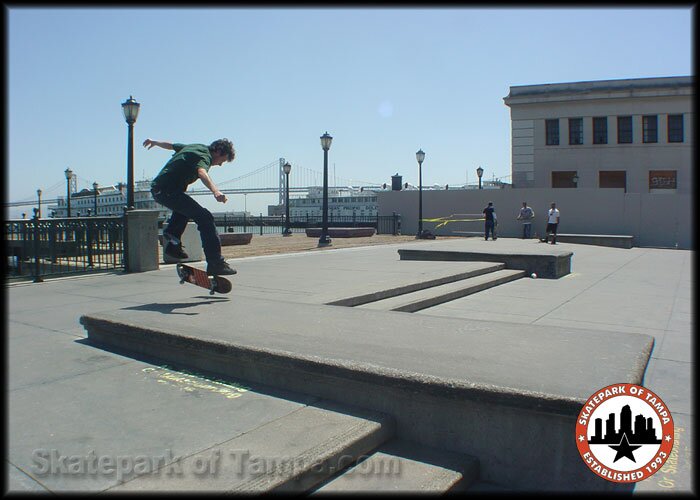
<point>50,247</point>
<point>390,224</point>
<point>38,248</point>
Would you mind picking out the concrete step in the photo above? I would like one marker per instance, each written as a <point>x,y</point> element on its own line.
<point>403,466</point>
<point>484,268</point>
<point>463,386</point>
<point>429,297</point>
<point>292,454</point>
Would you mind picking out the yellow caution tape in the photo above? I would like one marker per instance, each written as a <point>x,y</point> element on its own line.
<point>445,220</point>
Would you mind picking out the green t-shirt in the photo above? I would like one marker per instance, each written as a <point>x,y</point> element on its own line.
<point>181,169</point>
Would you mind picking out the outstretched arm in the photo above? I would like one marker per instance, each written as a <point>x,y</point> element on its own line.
<point>206,180</point>
<point>148,143</point>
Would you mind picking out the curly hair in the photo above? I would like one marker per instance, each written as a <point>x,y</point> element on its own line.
<point>223,146</point>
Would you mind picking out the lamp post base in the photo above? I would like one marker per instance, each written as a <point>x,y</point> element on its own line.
<point>425,235</point>
<point>287,232</point>
<point>324,241</point>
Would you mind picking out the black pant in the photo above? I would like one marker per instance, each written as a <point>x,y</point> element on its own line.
<point>488,227</point>
<point>185,208</point>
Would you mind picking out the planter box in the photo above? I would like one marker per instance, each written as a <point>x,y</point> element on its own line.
<point>342,232</point>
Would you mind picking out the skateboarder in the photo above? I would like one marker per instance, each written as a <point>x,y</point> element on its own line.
<point>189,163</point>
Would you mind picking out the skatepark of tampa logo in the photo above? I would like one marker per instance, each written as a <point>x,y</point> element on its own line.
<point>624,433</point>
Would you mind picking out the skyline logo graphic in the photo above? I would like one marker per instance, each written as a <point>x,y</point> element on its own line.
<point>624,433</point>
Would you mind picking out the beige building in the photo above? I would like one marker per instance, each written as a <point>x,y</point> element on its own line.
<point>607,152</point>
<point>634,134</point>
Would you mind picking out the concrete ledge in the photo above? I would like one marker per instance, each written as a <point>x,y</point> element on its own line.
<point>342,232</point>
<point>507,394</point>
<point>546,265</point>
<point>228,239</point>
<point>603,240</point>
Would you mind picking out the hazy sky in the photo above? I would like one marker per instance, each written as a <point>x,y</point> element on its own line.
<point>383,82</point>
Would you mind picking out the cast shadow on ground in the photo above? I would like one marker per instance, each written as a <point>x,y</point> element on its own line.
<point>170,308</point>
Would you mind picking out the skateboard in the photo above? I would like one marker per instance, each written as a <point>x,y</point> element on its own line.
<point>200,278</point>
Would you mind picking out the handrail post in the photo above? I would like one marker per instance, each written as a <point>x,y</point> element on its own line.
<point>89,243</point>
<point>37,272</point>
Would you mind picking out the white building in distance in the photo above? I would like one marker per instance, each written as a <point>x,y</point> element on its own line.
<point>341,202</point>
<point>111,200</point>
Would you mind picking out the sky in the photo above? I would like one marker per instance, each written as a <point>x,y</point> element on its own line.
<point>384,82</point>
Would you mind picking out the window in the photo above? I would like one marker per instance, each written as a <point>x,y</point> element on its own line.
<point>564,179</point>
<point>649,128</point>
<point>600,130</point>
<point>662,179</point>
<point>552,132</point>
<point>575,130</point>
<point>675,128</point>
<point>624,130</point>
<point>612,179</point>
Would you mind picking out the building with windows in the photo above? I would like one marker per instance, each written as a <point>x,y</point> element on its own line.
<point>110,200</point>
<point>341,202</point>
<point>635,134</point>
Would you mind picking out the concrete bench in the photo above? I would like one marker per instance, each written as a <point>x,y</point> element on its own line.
<point>228,239</point>
<point>604,240</point>
<point>551,265</point>
<point>342,232</point>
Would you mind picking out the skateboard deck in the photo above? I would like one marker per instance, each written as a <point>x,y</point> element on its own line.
<point>200,278</point>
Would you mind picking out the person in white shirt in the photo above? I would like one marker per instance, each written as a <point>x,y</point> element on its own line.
<point>552,223</point>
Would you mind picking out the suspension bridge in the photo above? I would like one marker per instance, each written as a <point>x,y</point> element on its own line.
<point>269,178</point>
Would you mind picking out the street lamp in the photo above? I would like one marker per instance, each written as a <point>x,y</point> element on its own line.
<point>38,193</point>
<point>287,168</point>
<point>131,110</point>
<point>420,156</point>
<point>324,240</point>
<point>479,172</point>
<point>94,188</point>
<point>69,174</point>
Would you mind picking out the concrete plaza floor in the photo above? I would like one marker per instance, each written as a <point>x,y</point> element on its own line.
<point>70,398</point>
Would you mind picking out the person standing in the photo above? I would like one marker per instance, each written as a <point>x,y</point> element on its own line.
<point>189,163</point>
<point>489,221</point>
<point>526,215</point>
<point>552,223</point>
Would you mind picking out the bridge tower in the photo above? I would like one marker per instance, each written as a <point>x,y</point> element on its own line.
<point>281,183</point>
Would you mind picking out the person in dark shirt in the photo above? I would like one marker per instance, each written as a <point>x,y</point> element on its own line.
<point>489,221</point>
<point>189,163</point>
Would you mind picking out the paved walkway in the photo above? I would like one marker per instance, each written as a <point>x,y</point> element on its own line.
<point>68,399</point>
